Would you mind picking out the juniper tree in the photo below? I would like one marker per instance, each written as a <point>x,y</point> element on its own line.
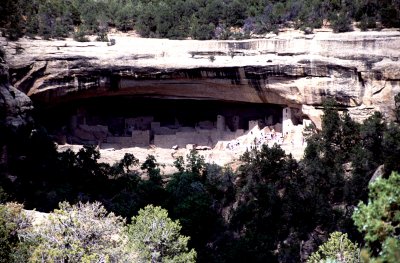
<point>157,238</point>
<point>79,233</point>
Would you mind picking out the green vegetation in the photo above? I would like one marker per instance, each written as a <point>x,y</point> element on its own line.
<point>338,248</point>
<point>78,233</point>
<point>198,19</point>
<point>86,232</point>
<point>380,220</point>
<point>156,237</point>
<point>12,221</point>
<point>272,208</point>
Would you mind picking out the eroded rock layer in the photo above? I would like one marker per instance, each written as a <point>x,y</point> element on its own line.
<point>360,69</point>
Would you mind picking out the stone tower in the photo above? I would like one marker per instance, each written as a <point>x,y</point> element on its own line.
<point>287,123</point>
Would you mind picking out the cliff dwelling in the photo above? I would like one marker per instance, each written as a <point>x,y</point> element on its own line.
<point>123,122</point>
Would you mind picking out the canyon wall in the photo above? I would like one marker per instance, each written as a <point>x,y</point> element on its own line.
<point>15,106</point>
<point>15,116</point>
<point>361,70</point>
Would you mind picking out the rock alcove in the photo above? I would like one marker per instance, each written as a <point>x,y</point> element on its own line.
<point>134,121</point>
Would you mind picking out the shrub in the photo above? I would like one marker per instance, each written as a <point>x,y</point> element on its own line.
<point>157,237</point>
<point>338,248</point>
<point>79,233</point>
<point>367,22</point>
<point>12,220</point>
<point>80,35</point>
<point>102,37</point>
<point>341,23</point>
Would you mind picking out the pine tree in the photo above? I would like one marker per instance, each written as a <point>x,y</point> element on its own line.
<point>379,220</point>
<point>12,18</point>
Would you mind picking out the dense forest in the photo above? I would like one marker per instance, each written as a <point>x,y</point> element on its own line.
<point>198,19</point>
<point>271,209</point>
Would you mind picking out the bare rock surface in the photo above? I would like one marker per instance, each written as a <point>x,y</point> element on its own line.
<point>360,69</point>
<point>15,106</point>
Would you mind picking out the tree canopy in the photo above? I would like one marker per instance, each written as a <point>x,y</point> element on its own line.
<point>84,232</point>
<point>157,238</point>
<point>198,19</point>
<point>379,220</point>
<point>271,208</point>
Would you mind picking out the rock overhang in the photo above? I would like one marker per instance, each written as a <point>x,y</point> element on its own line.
<point>359,69</point>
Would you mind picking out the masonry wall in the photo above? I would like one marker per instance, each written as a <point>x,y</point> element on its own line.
<point>138,139</point>
<point>199,137</point>
<point>121,141</point>
<point>141,138</point>
<point>287,123</point>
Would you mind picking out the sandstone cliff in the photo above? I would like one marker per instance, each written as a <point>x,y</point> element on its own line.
<point>15,106</point>
<point>15,115</point>
<point>360,69</point>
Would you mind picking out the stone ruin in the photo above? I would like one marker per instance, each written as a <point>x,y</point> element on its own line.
<point>222,133</point>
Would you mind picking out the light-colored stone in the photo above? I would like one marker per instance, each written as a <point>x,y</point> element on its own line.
<point>287,123</point>
<point>359,69</point>
<point>190,146</point>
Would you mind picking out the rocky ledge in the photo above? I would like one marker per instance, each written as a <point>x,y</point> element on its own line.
<point>360,69</point>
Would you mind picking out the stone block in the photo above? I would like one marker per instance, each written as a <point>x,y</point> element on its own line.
<point>164,131</point>
<point>253,124</point>
<point>165,141</point>
<point>278,127</point>
<point>141,138</point>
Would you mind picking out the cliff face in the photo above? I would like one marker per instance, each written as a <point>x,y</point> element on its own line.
<point>360,69</point>
<point>15,106</point>
<point>15,115</point>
